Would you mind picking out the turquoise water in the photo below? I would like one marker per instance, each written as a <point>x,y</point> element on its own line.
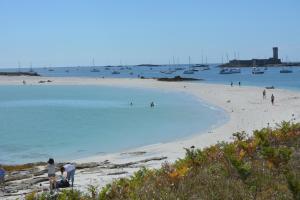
<point>68,122</point>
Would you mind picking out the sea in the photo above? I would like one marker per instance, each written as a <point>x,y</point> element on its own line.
<point>71,122</point>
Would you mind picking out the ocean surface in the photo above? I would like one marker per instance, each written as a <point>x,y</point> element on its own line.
<point>69,122</point>
<point>271,77</point>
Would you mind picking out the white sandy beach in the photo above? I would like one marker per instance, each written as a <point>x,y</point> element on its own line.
<point>245,106</point>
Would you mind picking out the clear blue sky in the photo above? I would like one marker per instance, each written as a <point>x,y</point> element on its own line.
<point>72,32</point>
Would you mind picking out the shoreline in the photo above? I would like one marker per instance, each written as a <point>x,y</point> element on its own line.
<point>244,105</point>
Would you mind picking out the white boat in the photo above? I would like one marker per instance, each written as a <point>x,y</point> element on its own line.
<point>201,67</point>
<point>256,70</point>
<point>230,71</point>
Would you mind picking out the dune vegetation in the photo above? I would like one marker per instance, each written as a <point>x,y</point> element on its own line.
<point>265,165</point>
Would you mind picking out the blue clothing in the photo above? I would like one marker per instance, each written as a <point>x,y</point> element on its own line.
<point>70,176</point>
<point>2,173</point>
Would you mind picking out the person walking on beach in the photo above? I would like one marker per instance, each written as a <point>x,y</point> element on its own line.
<point>264,94</point>
<point>272,99</point>
<point>2,179</point>
<point>70,169</point>
<point>231,84</point>
<point>51,174</point>
<point>239,83</point>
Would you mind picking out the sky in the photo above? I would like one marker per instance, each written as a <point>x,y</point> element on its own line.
<point>112,32</point>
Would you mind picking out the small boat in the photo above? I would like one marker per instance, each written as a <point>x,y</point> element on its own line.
<point>190,71</point>
<point>50,70</point>
<point>168,71</point>
<point>202,67</point>
<point>95,70</point>
<point>230,71</point>
<point>256,70</point>
<point>285,71</point>
<point>115,72</point>
<point>179,68</point>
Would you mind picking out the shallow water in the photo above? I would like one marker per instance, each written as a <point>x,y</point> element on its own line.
<point>68,122</point>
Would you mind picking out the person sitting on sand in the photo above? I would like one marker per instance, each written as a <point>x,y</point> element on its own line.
<point>2,179</point>
<point>272,99</point>
<point>51,173</point>
<point>264,94</point>
<point>70,169</point>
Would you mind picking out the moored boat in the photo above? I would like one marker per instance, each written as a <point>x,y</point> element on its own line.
<point>95,70</point>
<point>190,71</point>
<point>285,71</point>
<point>230,71</point>
<point>115,72</point>
<point>256,70</point>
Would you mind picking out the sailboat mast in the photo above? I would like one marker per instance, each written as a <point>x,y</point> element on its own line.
<point>19,66</point>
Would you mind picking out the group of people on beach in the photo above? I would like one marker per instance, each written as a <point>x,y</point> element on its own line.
<point>272,97</point>
<point>67,174</point>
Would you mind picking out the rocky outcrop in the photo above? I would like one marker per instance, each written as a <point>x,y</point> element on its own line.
<point>178,78</point>
<point>19,74</point>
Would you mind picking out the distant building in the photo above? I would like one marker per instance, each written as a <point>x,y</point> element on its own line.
<point>258,62</point>
<point>275,53</point>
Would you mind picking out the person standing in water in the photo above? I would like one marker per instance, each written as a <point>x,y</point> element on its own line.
<point>152,104</point>
<point>239,83</point>
<point>231,84</point>
<point>264,94</point>
<point>272,99</point>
